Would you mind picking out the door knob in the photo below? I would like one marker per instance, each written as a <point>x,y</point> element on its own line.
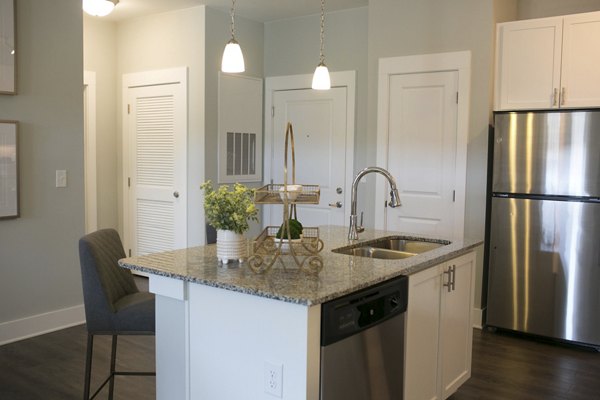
<point>337,204</point>
<point>176,195</point>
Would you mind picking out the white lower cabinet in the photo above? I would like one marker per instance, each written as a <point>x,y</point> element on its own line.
<point>439,329</point>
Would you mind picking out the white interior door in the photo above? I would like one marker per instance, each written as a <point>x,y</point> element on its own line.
<point>156,122</point>
<point>422,135</point>
<point>422,151</point>
<point>319,120</point>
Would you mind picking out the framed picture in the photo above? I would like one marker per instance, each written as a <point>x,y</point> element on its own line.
<point>8,51</point>
<point>9,170</point>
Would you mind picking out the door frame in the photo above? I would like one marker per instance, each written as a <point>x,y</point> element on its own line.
<point>345,79</point>
<point>133,80</point>
<point>454,61</point>
<point>90,166</point>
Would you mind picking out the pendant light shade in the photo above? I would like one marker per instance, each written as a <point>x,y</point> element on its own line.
<point>321,80</point>
<point>233,59</point>
<point>99,8</point>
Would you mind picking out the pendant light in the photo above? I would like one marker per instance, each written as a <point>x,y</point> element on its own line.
<point>233,59</point>
<point>99,8</point>
<point>321,80</point>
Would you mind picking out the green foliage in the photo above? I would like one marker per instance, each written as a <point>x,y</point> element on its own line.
<point>295,230</point>
<point>229,210</point>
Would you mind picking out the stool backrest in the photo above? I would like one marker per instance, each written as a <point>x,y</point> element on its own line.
<point>104,282</point>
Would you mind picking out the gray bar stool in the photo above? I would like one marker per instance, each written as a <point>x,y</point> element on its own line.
<point>113,304</point>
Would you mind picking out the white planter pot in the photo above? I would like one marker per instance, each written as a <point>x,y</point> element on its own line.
<point>231,246</point>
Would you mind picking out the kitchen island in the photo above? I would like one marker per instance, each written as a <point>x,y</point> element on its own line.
<point>219,328</point>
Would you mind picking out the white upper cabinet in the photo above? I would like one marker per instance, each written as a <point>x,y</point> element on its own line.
<point>548,63</point>
<point>580,81</point>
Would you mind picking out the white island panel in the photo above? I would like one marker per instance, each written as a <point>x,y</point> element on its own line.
<point>233,334</point>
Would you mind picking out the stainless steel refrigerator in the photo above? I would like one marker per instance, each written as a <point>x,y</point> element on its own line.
<point>544,254</point>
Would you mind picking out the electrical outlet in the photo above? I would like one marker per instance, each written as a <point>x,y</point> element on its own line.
<point>274,379</point>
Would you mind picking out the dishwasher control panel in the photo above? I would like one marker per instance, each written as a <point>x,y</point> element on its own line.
<point>358,311</point>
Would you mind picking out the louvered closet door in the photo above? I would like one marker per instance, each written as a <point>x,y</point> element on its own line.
<point>157,129</point>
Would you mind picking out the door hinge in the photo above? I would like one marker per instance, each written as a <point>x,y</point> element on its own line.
<point>456,97</point>
<point>129,252</point>
<point>273,111</point>
<point>385,204</point>
<point>454,196</point>
<point>128,108</point>
<point>128,182</point>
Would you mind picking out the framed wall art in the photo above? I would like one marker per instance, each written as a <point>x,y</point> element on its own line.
<point>8,51</point>
<point>9,170</point>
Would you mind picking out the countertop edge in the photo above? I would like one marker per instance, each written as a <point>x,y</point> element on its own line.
<point>410,270</point>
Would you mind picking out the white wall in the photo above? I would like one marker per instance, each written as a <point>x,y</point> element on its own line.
<point>250,36</point>
<point>549,8</point>
<point>404,27</point>
<point>100,56</point>
<point>170,40</point>
<point>292,47</point>
<point>39,265</point>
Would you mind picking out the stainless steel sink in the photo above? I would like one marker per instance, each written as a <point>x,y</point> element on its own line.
<point>408,245</point>
<point>391,247</point>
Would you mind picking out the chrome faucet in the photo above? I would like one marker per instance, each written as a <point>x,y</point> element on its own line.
<point>394,198</point>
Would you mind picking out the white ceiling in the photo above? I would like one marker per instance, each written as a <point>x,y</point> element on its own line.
<point>257,10</point>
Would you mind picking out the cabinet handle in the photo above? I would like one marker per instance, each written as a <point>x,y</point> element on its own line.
<point>562,96</point>
<point>555,98</point>
<point>449,283</point>
<point>453,277</point>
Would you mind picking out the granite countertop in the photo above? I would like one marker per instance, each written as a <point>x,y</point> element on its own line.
<point>341,274</point>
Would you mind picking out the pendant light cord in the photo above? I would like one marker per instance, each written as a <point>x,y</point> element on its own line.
<point>232,13</point>
<point>322,36</point>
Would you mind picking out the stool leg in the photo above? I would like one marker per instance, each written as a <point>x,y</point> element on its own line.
<point>113,360</point>
<point>88,366</point>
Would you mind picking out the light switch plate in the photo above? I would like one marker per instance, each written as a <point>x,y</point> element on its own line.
<point>61,178</point>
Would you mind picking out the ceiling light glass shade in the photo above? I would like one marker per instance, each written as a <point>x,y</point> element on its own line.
<point>98,8</point>
<point>321,80</point>
<point>233,59</point>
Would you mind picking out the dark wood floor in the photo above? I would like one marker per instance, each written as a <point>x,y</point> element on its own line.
<point>50,367</point>
<point>508,367</point>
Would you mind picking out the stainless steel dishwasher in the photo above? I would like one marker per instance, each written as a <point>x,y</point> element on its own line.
<point>362,343</point>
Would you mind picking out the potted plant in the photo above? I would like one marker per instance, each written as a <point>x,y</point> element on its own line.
<point>229,212</point>
<point>285,239</point>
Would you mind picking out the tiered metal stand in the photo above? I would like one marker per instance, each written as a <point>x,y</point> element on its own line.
<point>267,248</point>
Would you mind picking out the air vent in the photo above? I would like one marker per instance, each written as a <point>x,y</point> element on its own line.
<point>241,154</point>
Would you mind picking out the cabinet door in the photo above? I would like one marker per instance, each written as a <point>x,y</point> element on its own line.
<point>528,57</point>
<point>456,341</point>
<point>580,81</point>
<point>422,333</point>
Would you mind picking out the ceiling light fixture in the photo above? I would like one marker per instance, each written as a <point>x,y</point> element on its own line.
<point>321,80</point>
<point>99,8</point>
<point>233,59</point>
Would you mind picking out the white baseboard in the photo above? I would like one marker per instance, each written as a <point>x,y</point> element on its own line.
<point>477,316</point>
<point>35,325</point>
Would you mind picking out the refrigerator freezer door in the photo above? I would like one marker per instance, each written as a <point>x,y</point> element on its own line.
<point>550,153</point>
<point>544,275</point>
